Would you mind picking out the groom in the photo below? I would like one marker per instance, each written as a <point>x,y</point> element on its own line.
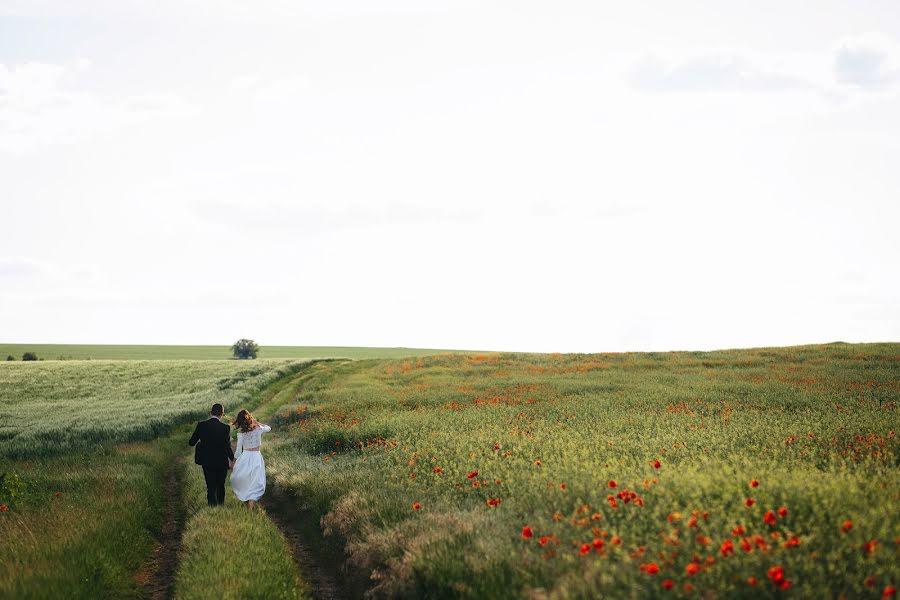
<point>213,440</point>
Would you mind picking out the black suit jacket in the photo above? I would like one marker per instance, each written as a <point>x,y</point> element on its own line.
<point>212,439</point>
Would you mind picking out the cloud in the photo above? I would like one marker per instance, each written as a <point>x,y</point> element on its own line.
<point>42,104</point>
<point>19,268</point>
<point>315,219</point>
<point>867,62</point>
<point>710,72</point>
<point>871,61</point>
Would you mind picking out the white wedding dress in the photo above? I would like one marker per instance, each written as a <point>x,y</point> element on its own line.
<point>248,477</point>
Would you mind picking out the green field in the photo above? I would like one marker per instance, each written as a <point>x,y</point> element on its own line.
<point>472,475</point>
<point>146,352</point>
<point>404,462</point>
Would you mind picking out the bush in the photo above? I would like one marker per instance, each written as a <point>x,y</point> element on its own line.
<point>12,488</point>
<point>244,348</point>
<point>29,356</point>
<point>10,357</point>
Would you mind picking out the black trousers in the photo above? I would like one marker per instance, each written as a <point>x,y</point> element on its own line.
<point>215,485</point>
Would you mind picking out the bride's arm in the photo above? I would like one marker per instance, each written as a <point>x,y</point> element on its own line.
<point>240,445</point>
<point>264,428</point>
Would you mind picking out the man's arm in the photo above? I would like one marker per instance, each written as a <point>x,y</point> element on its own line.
<point>195,437</point>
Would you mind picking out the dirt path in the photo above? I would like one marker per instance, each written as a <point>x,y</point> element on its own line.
<point>157,577</point>
<point>311,557</point>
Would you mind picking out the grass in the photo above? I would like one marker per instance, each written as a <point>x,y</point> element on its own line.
<point>232,540</point>
<point>547,434</point>
<point>230,552</point>
<point>89,541</point>
<point>149,352</point>
<point>93,509</point>
<point>56,407</point>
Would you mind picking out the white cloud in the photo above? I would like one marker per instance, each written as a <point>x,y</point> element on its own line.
<point>19,268</point>
<point>711,72</point>
<point>42,104</point>
<point>870,61</point>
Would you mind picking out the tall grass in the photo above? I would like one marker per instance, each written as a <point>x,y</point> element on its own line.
<point>148,352</point>
<point>547,434</point>
<point>55,407</point>
<point>229,551</point>
<point>92,510</point>
<point>90,540</point>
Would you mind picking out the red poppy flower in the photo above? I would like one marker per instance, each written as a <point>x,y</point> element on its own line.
<point>472,475</point>
<point>616,541</point>
<point>776,574</point>
<point>889,591</point>
<point>527,533</point>
<point>749,502</point>
<point>727,548</point>
<point>769,517</point>
<point>667,584</point>
<point>4,508</point>
<point>691,569</point>
<point>870,547</point>
<point>784,584</point>
<point>782,512</point>
<point>543,541</point>
<point>745,544</point>
<point>656,464</point>
<point>612,483</point>
<point>847,526</point>
<point>537,462</point>
<point>793,542</point>
<point>585,548</point>
<point>596,516</point>
<point>57,494</point>
<point>651,569</point>
<point>598,544</point>
<point>562,486</point>
<point>751,580</point>
<point>738,531</point>
<point>754,483</point>
<point>417,506</point>
<point>437,470</point>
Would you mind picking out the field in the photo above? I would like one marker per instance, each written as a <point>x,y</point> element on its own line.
<point>54,406</point>
<point>125,352</point>
<point>748,473</point>
<point>88,451</point>
<point>726,474</point>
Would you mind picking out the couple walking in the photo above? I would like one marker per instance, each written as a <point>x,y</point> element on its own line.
<point>212,441</point>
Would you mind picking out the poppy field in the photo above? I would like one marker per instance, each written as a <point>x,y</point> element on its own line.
<point>746,473</point>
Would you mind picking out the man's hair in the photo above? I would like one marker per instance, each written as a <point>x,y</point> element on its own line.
<point>217,410</point>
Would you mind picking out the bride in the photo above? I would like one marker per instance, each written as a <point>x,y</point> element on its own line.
<point>248,477</point>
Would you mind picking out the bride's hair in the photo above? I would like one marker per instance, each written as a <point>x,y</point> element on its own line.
<point>245,421</point>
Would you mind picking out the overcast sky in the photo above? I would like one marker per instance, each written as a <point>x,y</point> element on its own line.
<point>544,176</point>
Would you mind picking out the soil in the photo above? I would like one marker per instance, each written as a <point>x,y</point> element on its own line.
<point>157,576</point>
<point>319,561</point>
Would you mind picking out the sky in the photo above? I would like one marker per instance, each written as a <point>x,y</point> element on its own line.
<point>571,176</point>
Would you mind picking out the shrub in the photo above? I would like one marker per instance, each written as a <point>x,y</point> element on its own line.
<point>10,357</point>
<point>12,488</point>
<point>244,349</point>
<point>29,356</point>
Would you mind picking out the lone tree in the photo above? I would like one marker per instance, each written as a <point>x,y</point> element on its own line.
<point>244,349</point>
<point>29,356</point>
<point>10,357</point>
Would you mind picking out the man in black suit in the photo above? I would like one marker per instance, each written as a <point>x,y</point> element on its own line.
<point>212,439</point>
